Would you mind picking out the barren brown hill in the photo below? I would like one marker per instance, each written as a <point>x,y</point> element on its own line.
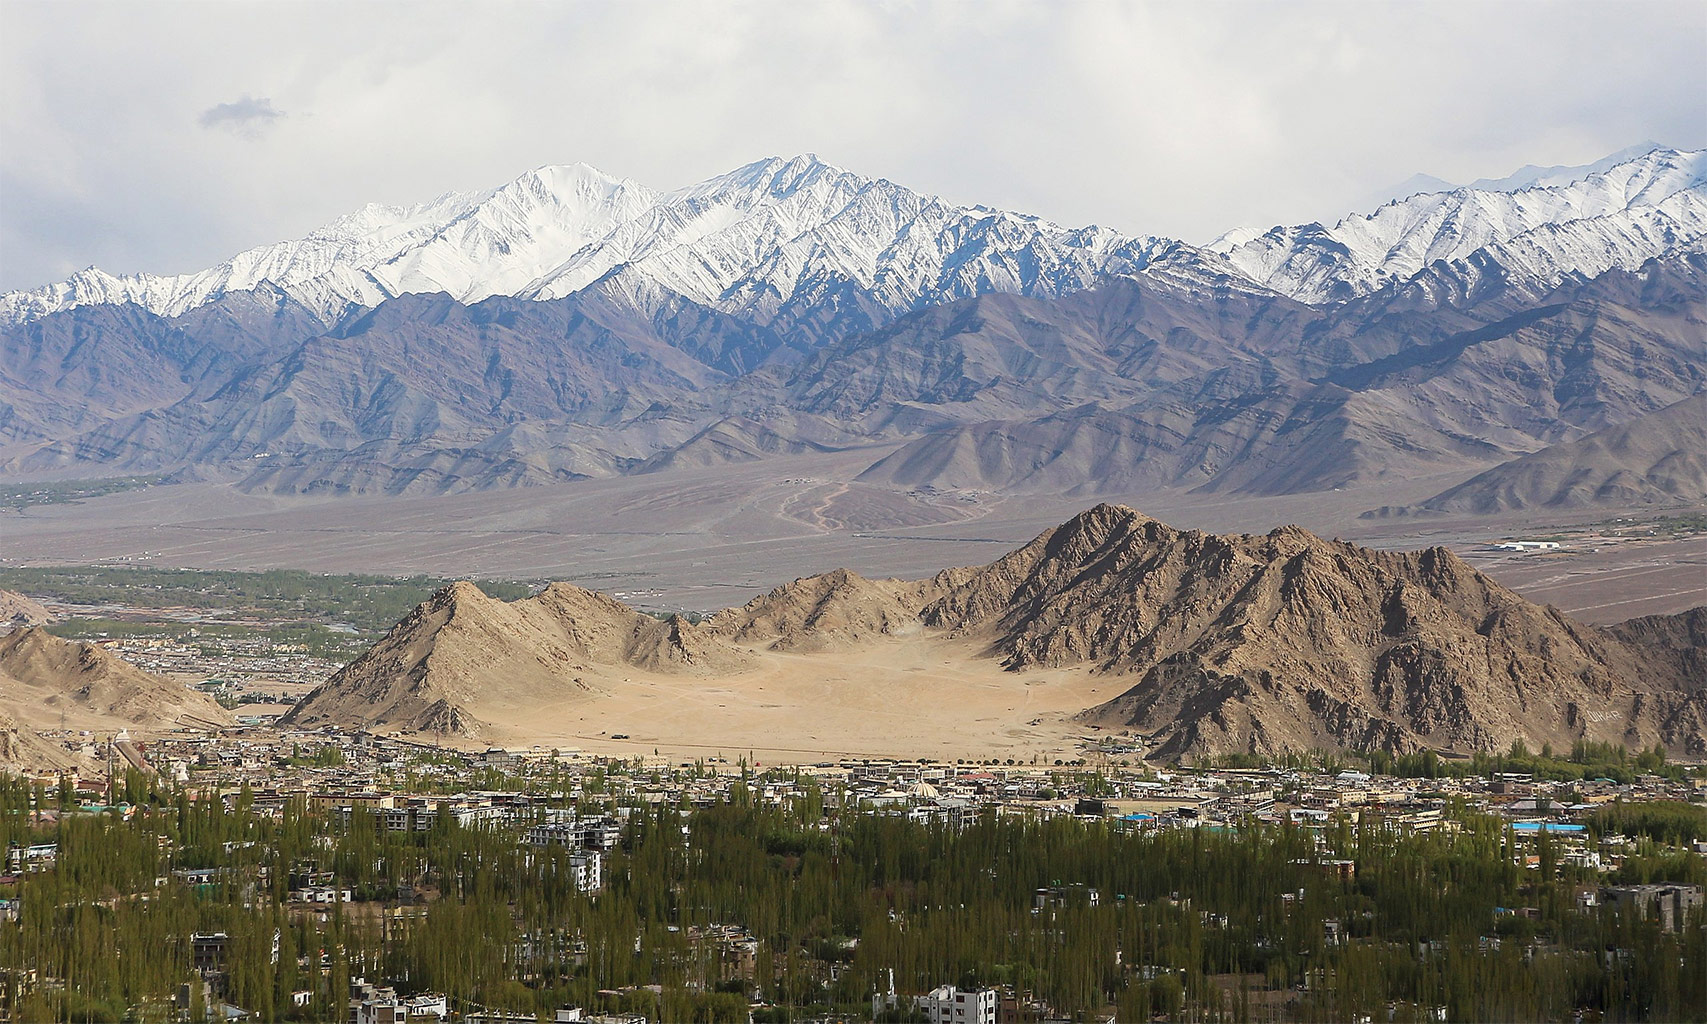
<point>835,609</point>
<point>734,439</point>
<point>1283,641</point>
<point>461,654</point>
<point>21,749</point>
<point>45,681</point>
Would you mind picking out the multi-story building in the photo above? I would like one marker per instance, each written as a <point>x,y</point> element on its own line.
<point>587,867</point>
<point>946,1004</point>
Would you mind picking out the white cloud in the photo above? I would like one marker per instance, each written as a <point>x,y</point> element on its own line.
<point>1173,118</point>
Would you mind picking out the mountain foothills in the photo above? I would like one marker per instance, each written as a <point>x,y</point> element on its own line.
<point>1209,644</point>
<point>570,325</point>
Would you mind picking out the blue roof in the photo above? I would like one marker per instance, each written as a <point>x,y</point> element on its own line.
<point>1548,826</point>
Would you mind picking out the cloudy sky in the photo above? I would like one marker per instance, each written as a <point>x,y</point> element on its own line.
<point>166,136</point>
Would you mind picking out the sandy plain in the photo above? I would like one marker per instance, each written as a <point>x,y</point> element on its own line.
<point>905,697</point>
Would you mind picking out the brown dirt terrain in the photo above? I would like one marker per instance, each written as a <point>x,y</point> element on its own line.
<point>22,749</point>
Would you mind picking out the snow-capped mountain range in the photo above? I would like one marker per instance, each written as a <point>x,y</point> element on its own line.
<point>746,242</point>
<point>1538,226</point>
<point>795,233</point>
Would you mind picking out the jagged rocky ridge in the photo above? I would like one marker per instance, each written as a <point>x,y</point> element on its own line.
<point>778,240</point>
<point>1283,641</point>
<point>1536,232</point>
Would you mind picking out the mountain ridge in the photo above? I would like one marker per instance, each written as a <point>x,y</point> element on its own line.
<point>790,306</point>
<point>1660,458</point>
<point>1614,217</point>
<point>745,242</point>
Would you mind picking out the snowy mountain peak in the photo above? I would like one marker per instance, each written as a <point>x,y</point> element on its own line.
<point>570,185</point>
<point>1530,175</point>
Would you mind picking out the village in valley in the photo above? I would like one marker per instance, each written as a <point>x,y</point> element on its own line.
<point>585,811</point>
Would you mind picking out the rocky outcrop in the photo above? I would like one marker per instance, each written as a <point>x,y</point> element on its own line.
<point>1288,641</point>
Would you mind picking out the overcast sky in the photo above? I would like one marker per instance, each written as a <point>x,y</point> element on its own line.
<point>167,136</point>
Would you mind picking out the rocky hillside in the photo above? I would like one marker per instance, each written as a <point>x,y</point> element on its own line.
<point>1303,402</point>
<point>21,749</point>
<point>1283,641</point>
<point>22,610</point>
<point>826,612</point>
<point>46,681</point>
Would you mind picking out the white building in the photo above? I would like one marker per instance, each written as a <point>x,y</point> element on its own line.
<point>432,1005</point>
<point>588,869</point>
<point>948,1005</point>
